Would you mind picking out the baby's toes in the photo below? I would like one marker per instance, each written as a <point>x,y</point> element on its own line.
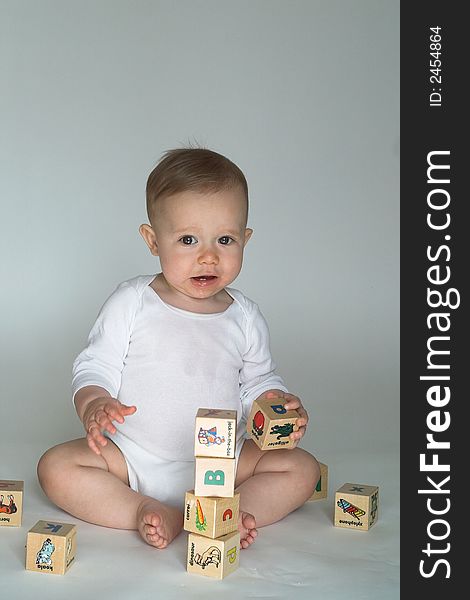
<point>153,538</point>
<point>246,541</point>
<point>153,520</point>
<point>248,521</point>
<point>150,530</point>
<point>158,541</point>
<point>252,534</point>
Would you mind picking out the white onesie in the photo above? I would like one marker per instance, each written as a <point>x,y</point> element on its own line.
<point>169,362</point>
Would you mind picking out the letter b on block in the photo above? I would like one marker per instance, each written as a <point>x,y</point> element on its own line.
<point>214,478</point>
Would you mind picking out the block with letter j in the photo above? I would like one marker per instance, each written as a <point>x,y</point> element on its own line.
<point>212,508</point>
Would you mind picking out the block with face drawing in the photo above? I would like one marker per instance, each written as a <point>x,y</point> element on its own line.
<point>212,507</point>
<point>215,433</point>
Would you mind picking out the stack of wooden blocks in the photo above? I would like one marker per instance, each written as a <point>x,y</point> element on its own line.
<point>212,508</point>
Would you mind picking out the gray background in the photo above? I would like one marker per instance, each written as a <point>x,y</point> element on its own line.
<point>304,96</point>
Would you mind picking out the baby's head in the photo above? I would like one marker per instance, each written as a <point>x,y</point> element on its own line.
<point>197,204</point>
<point>192,170</point>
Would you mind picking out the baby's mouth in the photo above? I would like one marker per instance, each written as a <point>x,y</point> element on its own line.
<point>204,281</point>
<point>204,278</point>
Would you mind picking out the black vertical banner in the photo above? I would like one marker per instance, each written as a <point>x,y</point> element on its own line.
<point>435,267</point>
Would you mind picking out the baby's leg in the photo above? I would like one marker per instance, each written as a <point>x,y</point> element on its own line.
<point>274,483</point>
<point>96,489</point>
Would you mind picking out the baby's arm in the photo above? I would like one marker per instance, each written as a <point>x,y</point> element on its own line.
<point>258,377</point>
<point>97,410</point>
<point>97,369</point>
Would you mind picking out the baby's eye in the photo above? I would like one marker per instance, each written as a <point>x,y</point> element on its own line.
<point>187,240</point>
<point>225,240</point>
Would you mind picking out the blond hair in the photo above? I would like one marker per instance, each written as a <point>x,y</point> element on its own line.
<point>192,169</point>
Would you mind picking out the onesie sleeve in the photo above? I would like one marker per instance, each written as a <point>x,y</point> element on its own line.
<point>101,362</point>
<point>258,373</point>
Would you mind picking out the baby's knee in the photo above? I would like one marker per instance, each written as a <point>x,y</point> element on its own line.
<point>315,470</point>
<point>44,467</point>
<point>50,467</point>
<point>308,471</point>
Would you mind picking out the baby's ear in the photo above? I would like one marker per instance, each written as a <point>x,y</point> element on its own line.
<point>150,238</point>
<point>248,234</point>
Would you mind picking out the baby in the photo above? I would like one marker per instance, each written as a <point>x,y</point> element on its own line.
<point>164,346</point>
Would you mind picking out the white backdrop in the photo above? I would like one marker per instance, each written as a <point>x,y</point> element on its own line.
<point>302,95</point>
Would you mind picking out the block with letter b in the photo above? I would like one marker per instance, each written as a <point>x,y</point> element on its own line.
<point>210,516</point>
<point>212,508</point>
<point>215,558</point>
<point>215,432</point>
<point>356,506</point>
<point>214,476</point>
<point>50,547</point>
<point>11,502</point>
<point>270,424</point>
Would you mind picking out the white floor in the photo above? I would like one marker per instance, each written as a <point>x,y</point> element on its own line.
<point>303,556</point>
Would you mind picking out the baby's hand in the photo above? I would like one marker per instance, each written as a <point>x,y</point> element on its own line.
<point>293,403</point>
<point>99,416</point>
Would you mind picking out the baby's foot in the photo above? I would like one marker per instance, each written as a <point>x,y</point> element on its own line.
<point>158,523</point>
<point>247,529</point>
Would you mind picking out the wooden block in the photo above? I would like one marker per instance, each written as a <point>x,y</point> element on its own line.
<point>321,490</point>
<point>50,547</point>
<point>356,506</point>
<point>215,433</point>
<point>214,476</point>
<point>211,517</point>
<point>11,502</point>
<point>270,424</point>
<point>213,558</point>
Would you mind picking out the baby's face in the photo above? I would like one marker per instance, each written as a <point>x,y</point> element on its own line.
<point>200,239</point>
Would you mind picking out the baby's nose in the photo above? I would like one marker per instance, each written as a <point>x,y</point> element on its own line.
<point>208,256</point>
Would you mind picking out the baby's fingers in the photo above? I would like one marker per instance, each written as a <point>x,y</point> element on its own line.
<point>301,423</point>
<point>95,439</point>
<point>303,419</point>
<point>292,402</point>
<point>114,414</point>
<point>118,411</point>
<point>297,435</point>
<point>127,410</point>
<point>92,445</point>
<point>104,422</point>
